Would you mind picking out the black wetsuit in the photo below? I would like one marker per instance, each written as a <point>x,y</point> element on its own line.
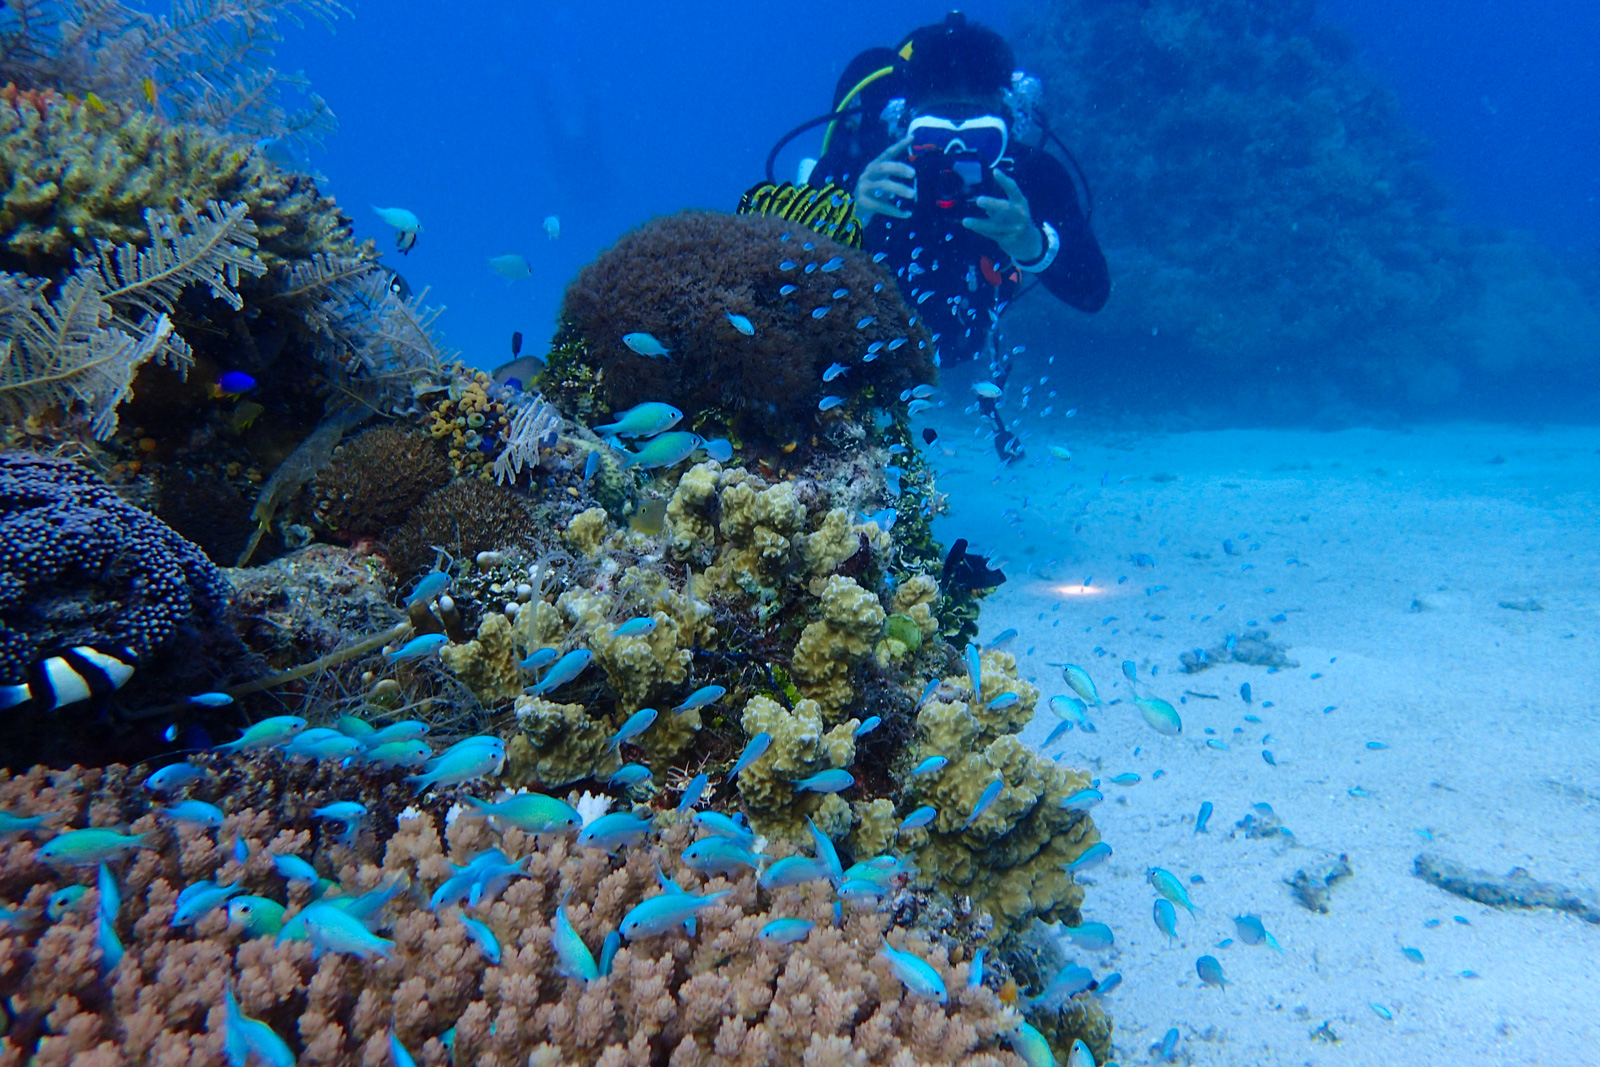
<point>960,281</point>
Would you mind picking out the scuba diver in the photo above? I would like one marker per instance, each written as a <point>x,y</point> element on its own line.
<point>939,141</point>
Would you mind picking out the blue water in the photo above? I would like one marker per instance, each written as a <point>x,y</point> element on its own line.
<point>606,114</point>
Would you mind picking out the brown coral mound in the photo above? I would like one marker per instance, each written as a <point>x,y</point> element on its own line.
<point>375,480</point>
<point>464,518</point>
<point>721,997</point>
<point>680,277</point>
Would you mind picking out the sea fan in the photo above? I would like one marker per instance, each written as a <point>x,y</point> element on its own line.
<point>78,351</point>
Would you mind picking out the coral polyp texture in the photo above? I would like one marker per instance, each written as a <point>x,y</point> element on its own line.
<point>73,172</point>
<point>510,990</point>
<point>697,281</point>
<point>80,566</point>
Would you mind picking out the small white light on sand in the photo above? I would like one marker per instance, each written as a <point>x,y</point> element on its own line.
<point>1077,590</point>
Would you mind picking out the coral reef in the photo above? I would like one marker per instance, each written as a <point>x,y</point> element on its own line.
<point>74,174</point>
<point>375,479</point>
<point>464,518</point>
<point>723,996</point>
<point>763,387</point>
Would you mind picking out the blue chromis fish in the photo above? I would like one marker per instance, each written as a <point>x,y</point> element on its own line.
<point>659,914</point>
<point>869,724</point>
<point>931,765</point>
<point>919,818</point>
<point>110,945</point>
<point>629,775</point>
<point>195,811</point>
<point>742,324</point>
<point>486,940</point>
<point>540,658</point>
<point>398,1052</point>
<point>87,848</point>
<point>591,463</point>
<point>835,780</point>
<point>720,855</point>
<point>974,670</point>
<point>1130,670</point>
<point>725,826</point>
<point>642,420</point>
<point>295,869</point>
<point>1092,856</point>
<point>332,929</point>
<point>110,892</point>
<point>828,403</point>
<point>11,823</point>
<point>753,751</point>
<point>718,448</point>
<point>1003,701</point>
<point>915,973</point>
<point>169,779</point>
<point>987,390</point>
<point>573,958</point>
<point>355,726</point>
<point>794,870</point>
<point>64,900</point>
<point>614,831</point>
<point>200,899</point>
<point>512,266</point>
<point>635,627</point>
<point>693,792</point>
<point>419,647</point>
<point>1095,937</point>
<point>1167,885</point>
<point>399,754</point>
<point>1082,800</point>
<point>975,971</point>
<point>428,588</point>
<point>1126,778</point>
<point>825,850</point>
<point>636,724</point>
<point>246,1038</point>
<point>1203,818</point>
<point>259,916</point>
<point>532,813</point>
<point>1162,717</point>
<point>1252,932</point>
<point>1031,1045</point>
<point>645,344</point>
<point>833,371</point>
<point>463,765</point>
<point>1210,971</point>
<point>1080,1054</point>
<point>565,670</point>
<point>1082,684</point>
<point>268,733</point>
<point>990,792</point>
<point>786,931</point>
<point>211,700</point>
<point>1166,918</point>
<point>702,697</point>
<point>348,812</point>
<point>667,450</point>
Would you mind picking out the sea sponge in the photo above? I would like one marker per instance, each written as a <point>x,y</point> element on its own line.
<point>800,748</point>
<point>680,278</point>
<point>831,647</point>
<point>468,516</point>
<point>375,479</point>
<point>75,172</point>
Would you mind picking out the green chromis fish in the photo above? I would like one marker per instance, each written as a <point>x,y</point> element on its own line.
<point>1166,918</point>
<point>720,855</point>
<point>197,901</point>
<point>645,344</point>
<point>794,870</point>
<point>915,973</point>
<point>259,916</point>
<point>573,958</point>
<point>1082,684</point>
<point>408,730</point>
<point>532,813</point>
<point>614,831</point>
<point>86,848</point>
<point>786,931</point>
<point>642,420</point>
<point>990,792</point>
<point>419,647</point>
<point>1080,1055</point>
<point>636,724</point>
<point>410,754</point>
<point>702,697</point>
<point>830,781</point>
<point>1167,885</point>
<point>753,751</point>
<point>19,824</point>
<point>565,670</point>
<point>485,938</point>
<point>463,765</point>
<point>1210,971</point>
<point>268,733</point>
<point>667,450</point>
<point>355,726</point>
<point>1162,717</point>
<point>247,1037</point>
<point>1070,709</point>
<point>332,929</point>
<point>742,324</point>
<point>1094,937</point>
<point>659,914</point>
<point>64,900</point>
<point>1031,1045</point>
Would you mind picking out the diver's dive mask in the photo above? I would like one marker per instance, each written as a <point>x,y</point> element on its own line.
<point>955,161</point>
<point>983,138</point>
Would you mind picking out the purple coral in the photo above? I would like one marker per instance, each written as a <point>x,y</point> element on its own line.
<point>80,565</point>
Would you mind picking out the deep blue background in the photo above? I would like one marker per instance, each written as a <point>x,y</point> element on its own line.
<point>608,112</point>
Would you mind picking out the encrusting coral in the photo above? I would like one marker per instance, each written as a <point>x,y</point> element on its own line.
<point>723,997</point>
<point>376,478</point>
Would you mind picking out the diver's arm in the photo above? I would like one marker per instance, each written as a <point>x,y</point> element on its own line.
<point>1078,274</point>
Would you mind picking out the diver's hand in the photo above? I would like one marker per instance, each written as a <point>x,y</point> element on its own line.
<point>877,187</point>
<point>1010,224</point>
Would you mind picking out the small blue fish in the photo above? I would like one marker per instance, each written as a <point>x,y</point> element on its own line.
<point>825,850</point>
<point>1268,757</point>
<point>645,344</point>
<point>332,929</point>
<point>233,383</point>
<point>462,765</point>
<point>259,916</point>
<point>406,730</point>
<point>833,371</point>
<point>211,700</point>
<point>1081,683</point>
<point>829,781</point>
<point>195,811</point>
<point>975,971</point>
<point>794,870</point>
<point>700,698</point>
<point>866,320</point>
<point>539,658</point>
<point>742,324</point>
<point>1244,692</point>
<point>840,292</point>
<point>397,1051</point>
<point>818,313</point>
<point>637,723</point>
<point>348,812</point>
<point>1127,778</point>
<point>1210,971</point>
<point>268,733</point>
<point>787,290</point>
<point>720,855</point>
<point>1009,634</point>
<point>1253,932</point>
<point>753,751</point>
<point>418,648</point>
<point>479,931</point>
<point>1003,701</point>
<point>884,519</point>
<point>786,931</point>
<point>897,342</point>
<point>170,779</point>
<point>915,974</point>
<point>659,914</point>
<point>974,670</point>
<point>1092,856</point>
<point>66,899</point>
<point>787,264</point>
<point>990,791</point>
<point>635,627</point>
<point>828,403</point>
<point>532,813</point>
<point>693,792</point>
<point>719,449</point>
<point>642,420</point>
<point>565,670</point>
<point>428,588</point>
<point>246,1037</point>
<point>1095,937</point>
<point>919,818</point>
<point>200,899</point>
<point>931,765</point>
<point>833,264</point>
<point>573,958</point>
<point>295,869</point>
<point>667,450</point>
<point>1167,885</point>
<point>1166,918</point>
<point>725,826</point>
<point>630,775</point>
<point>591,464</point>
<point>928,690</point>
<point>1203,818</point>
<point>1083,800</point>
<point>1130,670</point>
<point>869,724</point>
<point>614,831</point>
<point>1161,716</point>
<point>110,945</point>
<point>88,848</point>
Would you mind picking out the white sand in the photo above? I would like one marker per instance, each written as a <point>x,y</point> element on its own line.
<point>1490,715</point>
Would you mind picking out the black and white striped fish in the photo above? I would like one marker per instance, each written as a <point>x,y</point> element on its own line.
<point>71,677</point>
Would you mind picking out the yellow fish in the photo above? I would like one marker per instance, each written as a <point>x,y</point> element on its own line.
<point>95,104</point>
<point>150,93</point>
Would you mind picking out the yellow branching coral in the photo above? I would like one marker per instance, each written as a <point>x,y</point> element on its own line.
<point>832,646</point>
<point>73,173</point>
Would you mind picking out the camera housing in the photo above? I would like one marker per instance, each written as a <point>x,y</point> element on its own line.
<point>949,183</point>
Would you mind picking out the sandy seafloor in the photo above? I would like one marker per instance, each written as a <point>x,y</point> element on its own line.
<point>1390,552</point>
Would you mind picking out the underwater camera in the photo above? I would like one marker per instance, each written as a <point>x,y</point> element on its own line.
<point>947,184</point>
